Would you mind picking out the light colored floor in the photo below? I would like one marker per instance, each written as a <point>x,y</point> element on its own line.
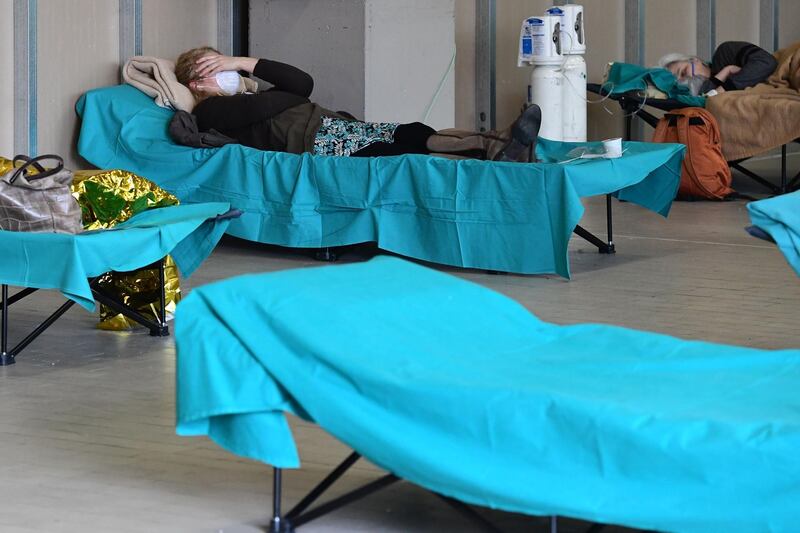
<point>86,417</point>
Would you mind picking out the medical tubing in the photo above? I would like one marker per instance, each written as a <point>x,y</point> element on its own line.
<point>574,89</point>
<point>439,89</point>
<point>608,93</point>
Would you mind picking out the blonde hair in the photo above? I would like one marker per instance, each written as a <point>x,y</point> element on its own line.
<point>186,65</point>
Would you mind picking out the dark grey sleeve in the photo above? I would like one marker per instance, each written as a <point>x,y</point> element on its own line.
<point>756,63</point>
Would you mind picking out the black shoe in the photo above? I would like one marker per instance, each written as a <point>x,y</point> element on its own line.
<point>522,146</point>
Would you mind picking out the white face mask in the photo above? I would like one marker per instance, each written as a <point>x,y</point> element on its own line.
<point>229,82</point>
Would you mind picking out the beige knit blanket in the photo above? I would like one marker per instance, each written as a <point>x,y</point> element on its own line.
<point>763,117</point>
<point>156,78</point>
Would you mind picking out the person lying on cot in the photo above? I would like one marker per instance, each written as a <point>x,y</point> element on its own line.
<point>735,65</point>
<point>283,118</point>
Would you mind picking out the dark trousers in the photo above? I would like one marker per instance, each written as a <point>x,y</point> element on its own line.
<point>408,139</point>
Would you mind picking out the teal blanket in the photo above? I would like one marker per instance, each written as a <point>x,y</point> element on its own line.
<point>624,77</point>
<point>500,216</point>
<point>780,217</point>
<point>65,262</point>
<point>461,390</point>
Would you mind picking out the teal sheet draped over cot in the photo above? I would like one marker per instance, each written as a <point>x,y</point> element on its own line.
<point>624,77</point>
<point>501,216</point>
<point>462,391</point>
<point>65,262</point>
<point>780,217</point>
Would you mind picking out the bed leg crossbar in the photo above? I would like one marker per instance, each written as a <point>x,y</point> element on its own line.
<point>300,513</point>
<point>8,356</point>
<point>758,179</point>
<point>602,246</point>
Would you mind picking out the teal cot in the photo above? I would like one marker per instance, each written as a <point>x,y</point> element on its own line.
<point>65,262</point>
<point>72,264</point>
<point>779,217</point>
<point>462,391</point>
<point>500,216</point>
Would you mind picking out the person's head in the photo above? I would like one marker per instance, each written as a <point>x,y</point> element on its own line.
<point>186,72</point>
<point>684,66</point>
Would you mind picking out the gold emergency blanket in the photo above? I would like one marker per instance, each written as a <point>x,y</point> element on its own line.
<point>107,198</point>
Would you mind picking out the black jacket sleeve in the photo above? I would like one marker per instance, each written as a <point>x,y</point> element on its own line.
<point>285,78</point>
<point>756,63</point>
<point>225,113</point>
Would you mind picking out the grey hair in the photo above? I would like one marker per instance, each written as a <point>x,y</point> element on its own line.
<point>668,59</point>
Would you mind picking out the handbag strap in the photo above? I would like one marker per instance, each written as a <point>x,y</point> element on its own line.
<point>34,162</point>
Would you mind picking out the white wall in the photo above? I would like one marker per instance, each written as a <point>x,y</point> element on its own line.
<point>409,46</point>
<point>381,60</point>
<point>7,87</point>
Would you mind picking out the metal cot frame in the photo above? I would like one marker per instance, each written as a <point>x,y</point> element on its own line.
<point>8,356</point>
<point>300,514</point>
<point>633,106</point>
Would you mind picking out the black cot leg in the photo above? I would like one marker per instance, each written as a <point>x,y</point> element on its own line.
<point>156,328</point>
<point>609,225</point>
<point>784,187</point>
<point>41,327</point>
<point>277,525</point>
<point>553,524</point>
<point>163,330</point>
<point>471,514</point>
<point>5,358</point>
<point>326,255</point>
<point>323,485</point>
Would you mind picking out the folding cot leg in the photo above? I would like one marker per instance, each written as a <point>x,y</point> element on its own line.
<point>602,247</point>
<point>5,358</point>
<point>163,330</point>
<point>469,513</point>
<point>610,249</point>
<point>784,186</point>
<point>327,255</point>
<point>277,523</point>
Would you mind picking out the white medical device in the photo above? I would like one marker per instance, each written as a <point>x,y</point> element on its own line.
<point>554,44</point>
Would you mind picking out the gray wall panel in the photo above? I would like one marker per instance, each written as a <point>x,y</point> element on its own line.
<point>737,20</point>
<point>605,42</point>
<point>174,26</point>
<point>670,27</point>
<point>789,28</point>
<point>7,68</point>
<point>78,50</point>
<point>465,64</point>
<point>277,28</point>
